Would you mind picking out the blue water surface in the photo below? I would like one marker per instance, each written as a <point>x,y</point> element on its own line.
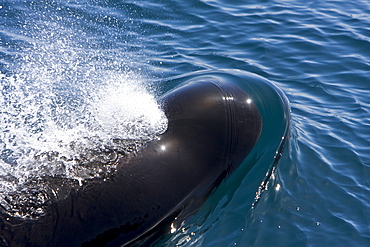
<point>317,52</point>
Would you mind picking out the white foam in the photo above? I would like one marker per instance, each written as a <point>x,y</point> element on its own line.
<point>127,111</point>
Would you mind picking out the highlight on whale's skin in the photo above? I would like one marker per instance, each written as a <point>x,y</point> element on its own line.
<point>215,120</point>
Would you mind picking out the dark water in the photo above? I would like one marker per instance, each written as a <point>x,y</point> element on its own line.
<point>317,52</point>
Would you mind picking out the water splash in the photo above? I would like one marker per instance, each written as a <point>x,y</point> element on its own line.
<point>41,126</point>
<point>70,106</point>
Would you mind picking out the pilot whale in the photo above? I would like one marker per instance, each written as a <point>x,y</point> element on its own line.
<point>213,124</point>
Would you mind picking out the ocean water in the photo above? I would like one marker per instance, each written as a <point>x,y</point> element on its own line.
<point>66,64</point>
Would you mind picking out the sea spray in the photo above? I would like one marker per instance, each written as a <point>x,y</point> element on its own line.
<point>72,102</point>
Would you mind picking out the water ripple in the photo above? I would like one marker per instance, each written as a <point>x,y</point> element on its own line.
<point>316,51</point>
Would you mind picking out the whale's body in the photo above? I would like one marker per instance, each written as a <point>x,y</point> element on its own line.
<point>213,125</point>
